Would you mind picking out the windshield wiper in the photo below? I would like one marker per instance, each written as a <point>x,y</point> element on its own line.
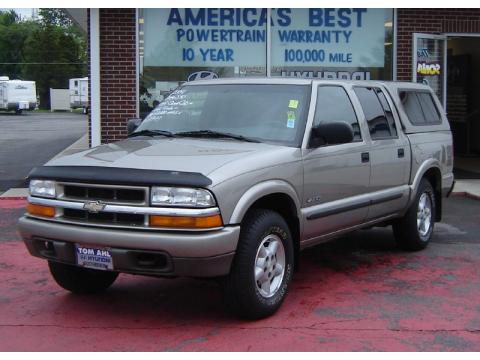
<point>152,133</point>
<point>215,134</point>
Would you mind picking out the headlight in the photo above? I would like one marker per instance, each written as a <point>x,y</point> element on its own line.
<point>183,197</point>
<point>42,188</point>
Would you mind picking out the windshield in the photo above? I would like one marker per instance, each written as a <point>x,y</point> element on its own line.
<point>267,113</point>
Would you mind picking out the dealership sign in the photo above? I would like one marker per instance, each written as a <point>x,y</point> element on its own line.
<point>238,37</point>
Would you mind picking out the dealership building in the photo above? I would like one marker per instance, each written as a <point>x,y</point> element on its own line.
<point>138,56</point>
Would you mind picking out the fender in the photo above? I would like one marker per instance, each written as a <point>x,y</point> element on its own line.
<point>423,168</point>
<point>260,190</point>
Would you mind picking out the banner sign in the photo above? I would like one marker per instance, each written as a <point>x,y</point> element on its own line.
<point>237,37</point>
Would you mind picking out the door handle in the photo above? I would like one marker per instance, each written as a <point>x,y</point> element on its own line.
<point>365,157</point>
<point>401,153</point>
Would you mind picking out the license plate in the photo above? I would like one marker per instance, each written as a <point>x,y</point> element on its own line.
<point>93,257</point>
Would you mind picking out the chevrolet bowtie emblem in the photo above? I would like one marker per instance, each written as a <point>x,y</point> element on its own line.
<point>94,206</point>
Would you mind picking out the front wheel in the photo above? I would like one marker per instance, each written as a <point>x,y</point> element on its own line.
<point>263,265</point>
<point>81,280</point>
<point>414,231</point>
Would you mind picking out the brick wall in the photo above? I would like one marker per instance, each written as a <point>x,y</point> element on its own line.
<point>117,72</point>
<point>433,21</point>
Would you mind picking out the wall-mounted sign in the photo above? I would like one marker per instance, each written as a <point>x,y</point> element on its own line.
<point>237,37</point>
<point>330,38</point>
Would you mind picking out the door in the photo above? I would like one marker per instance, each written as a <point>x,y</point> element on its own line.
<point>430,62</point>
<point>389,154</point>
<point>336,177</point>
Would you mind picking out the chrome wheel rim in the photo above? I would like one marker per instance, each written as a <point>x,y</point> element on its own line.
<point>424,214</point>
<point>269,268</point>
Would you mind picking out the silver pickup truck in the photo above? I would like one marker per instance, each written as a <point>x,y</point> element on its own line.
<point>231,179</point>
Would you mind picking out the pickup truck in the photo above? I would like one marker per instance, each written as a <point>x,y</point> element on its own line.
<point>232,178</point>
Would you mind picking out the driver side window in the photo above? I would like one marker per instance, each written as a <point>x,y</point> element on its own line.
<point>333,105</point>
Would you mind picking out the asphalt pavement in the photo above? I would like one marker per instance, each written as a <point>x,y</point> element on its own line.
<point>31,139</point>
<point>358,293</point>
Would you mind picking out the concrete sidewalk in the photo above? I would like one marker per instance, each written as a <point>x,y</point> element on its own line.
<point>470,188</point>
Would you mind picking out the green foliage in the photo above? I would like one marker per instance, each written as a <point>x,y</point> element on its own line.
<point>48,51</point>
<point>55,17</point>
<point>8,18</point>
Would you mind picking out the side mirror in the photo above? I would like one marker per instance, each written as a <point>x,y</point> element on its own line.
<point>132,124</point>
<point>331,133</point>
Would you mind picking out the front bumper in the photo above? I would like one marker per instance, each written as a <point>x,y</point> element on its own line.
<point>199,254</point>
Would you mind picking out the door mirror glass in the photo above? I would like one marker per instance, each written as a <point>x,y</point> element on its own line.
<point>331,133</point>
<point>132,125</point>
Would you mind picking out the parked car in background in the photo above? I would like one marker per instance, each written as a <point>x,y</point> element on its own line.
<point>79,94</point>
<point>232,178</point>
<point>17,95</point>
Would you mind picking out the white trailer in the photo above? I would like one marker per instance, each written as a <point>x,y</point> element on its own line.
<point>79,93</point>
<point>17,95</point>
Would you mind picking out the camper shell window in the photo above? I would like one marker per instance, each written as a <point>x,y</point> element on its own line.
<point>420,107</point>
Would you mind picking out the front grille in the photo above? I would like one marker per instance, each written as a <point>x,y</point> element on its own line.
<point>104,218</point>
<point>106,193</point>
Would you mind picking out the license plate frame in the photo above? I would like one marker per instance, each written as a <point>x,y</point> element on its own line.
<point>94,257</point>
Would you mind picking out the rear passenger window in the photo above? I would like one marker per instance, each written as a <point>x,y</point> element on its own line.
<point>420,108</point>
<point>374,113</point>
<point>333,105</point>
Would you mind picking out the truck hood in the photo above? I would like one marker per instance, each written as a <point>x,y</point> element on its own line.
<point>178,154</point>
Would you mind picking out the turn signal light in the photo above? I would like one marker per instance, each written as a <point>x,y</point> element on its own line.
<point>186,222</point>
<point>40,210</point>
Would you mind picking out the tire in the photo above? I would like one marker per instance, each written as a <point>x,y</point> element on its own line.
<point>414,231</point>
<point>244,294</point>
<point>81,280</point>
<point>18,111</point>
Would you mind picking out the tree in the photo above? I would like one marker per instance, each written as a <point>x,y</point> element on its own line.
<point>13,33</point>
<point>55,17</point>
<point>54,52</point>
<point>49,51</point>
<point>8,18</point>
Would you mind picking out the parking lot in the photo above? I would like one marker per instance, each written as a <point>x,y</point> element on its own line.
<point>358,293</point>
<point>31,139</point>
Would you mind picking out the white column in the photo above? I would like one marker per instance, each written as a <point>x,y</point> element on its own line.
<point>95,76</point>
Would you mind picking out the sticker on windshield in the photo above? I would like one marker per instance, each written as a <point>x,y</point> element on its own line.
<point>293,104</point>
<point>290,119</point>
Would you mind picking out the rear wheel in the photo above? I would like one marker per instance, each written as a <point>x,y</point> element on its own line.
<point>414,231</point>
<point>18,111</point>
<point>81,280</point>
<point>263,266</point>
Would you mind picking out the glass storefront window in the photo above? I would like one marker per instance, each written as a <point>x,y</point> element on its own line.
<point>334,44</point>
<point>178,45</point>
